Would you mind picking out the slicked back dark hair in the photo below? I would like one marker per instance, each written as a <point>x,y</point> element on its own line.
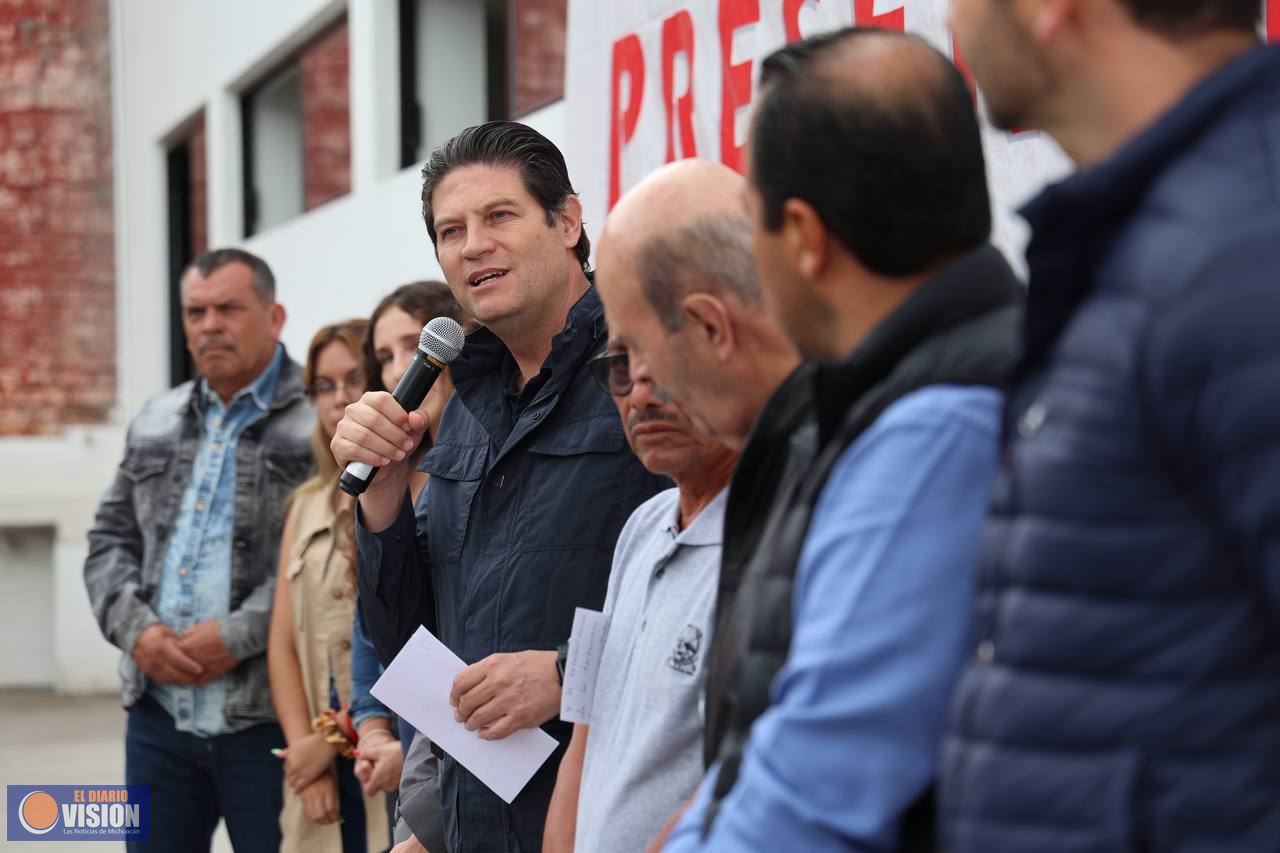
<point>264,281</point>
<point>896,174</point>
<point>1195,17</point>
<point>508,144</point>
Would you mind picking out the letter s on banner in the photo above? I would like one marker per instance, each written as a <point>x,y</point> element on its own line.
<point>628,59</point>
<point>735,80</point>
<point>677,37</point>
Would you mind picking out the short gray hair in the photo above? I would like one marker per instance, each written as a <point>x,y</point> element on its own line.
<point>264,282</point>
<point>712,254</point>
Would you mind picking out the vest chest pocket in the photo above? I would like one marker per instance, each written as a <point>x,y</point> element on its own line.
<point>456,473</point>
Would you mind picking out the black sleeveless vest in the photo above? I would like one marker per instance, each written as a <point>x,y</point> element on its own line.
<point>959,328</point>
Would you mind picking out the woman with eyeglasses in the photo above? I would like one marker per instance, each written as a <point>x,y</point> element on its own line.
<point>309,648</point>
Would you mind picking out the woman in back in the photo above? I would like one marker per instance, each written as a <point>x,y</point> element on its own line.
<point>309,649</point>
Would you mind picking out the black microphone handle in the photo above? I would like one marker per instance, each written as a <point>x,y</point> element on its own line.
<point>410,391</point>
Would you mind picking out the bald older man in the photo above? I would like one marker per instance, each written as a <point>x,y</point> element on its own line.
<point>683,299</point>
<point>846,622</point>
<point>684,307</point>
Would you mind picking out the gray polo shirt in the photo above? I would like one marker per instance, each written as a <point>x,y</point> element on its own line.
<point>644,754</point>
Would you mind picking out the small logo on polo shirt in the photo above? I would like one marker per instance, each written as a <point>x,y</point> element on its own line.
<point>684,657</point>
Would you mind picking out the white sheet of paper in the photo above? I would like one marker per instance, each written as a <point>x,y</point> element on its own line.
<point>586,646</point>
<point>416,686</point>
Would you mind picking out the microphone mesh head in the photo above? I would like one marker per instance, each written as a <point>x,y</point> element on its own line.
<point>442,339</point>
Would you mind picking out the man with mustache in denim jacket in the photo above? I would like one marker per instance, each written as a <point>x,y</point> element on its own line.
<point>182,556</point>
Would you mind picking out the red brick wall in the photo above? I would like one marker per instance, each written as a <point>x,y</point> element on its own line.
<point>197,188</point>
<point>326,117</point>
<point>538,75</point>
<point>57,299</point>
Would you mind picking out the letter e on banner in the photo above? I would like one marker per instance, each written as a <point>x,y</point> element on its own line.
<point>735,89</point>
<point>864,15</point>
<point>677,38</point>
<point>628,59</point>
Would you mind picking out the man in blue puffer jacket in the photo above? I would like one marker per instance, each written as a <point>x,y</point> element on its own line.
<point>1124,690</point>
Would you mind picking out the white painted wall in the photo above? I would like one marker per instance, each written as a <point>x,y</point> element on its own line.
<point>26,561</point>
<point>47,632</point>
<point>170,60</point>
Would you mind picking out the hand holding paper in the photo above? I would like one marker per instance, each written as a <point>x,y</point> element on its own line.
<point>417,685</point>
<point>507,692</point>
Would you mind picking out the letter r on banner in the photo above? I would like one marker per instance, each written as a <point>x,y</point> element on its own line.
<point>628,59</point>
<point>677,37</point>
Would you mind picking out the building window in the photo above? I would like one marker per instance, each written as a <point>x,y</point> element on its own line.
<point>296,123</point>
<point>272,124</point>
<point>188,231</point>
<point>463,62</point>
<point>453,70</point>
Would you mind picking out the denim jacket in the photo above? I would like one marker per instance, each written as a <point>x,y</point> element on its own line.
<point>130,534</point>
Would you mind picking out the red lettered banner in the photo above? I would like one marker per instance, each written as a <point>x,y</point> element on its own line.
<point>651,82</point>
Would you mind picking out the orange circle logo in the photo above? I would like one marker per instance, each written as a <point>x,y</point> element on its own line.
<point>38,812</point>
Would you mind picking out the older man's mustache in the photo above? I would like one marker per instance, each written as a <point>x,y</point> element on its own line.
<point>666,414</point>
<point>649,416</point>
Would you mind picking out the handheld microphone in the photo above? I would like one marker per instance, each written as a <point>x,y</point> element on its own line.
<point>440,343</point>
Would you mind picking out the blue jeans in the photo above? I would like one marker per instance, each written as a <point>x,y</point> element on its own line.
<point>195,781</point>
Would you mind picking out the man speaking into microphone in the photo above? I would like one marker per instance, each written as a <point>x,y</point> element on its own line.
<point>531,476</point>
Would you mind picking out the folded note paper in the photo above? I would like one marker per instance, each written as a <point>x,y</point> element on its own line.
<point>417,685</point>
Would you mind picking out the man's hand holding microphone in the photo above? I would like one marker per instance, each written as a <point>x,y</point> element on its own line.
<point>380,430</point>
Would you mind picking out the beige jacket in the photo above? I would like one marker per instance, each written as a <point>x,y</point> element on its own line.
<point>322,593</point>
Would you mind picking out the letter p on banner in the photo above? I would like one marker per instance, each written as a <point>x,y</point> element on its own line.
<point>628,61</point>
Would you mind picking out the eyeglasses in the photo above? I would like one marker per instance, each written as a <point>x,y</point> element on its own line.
<point>612,372</point>
<point>324,387</point>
